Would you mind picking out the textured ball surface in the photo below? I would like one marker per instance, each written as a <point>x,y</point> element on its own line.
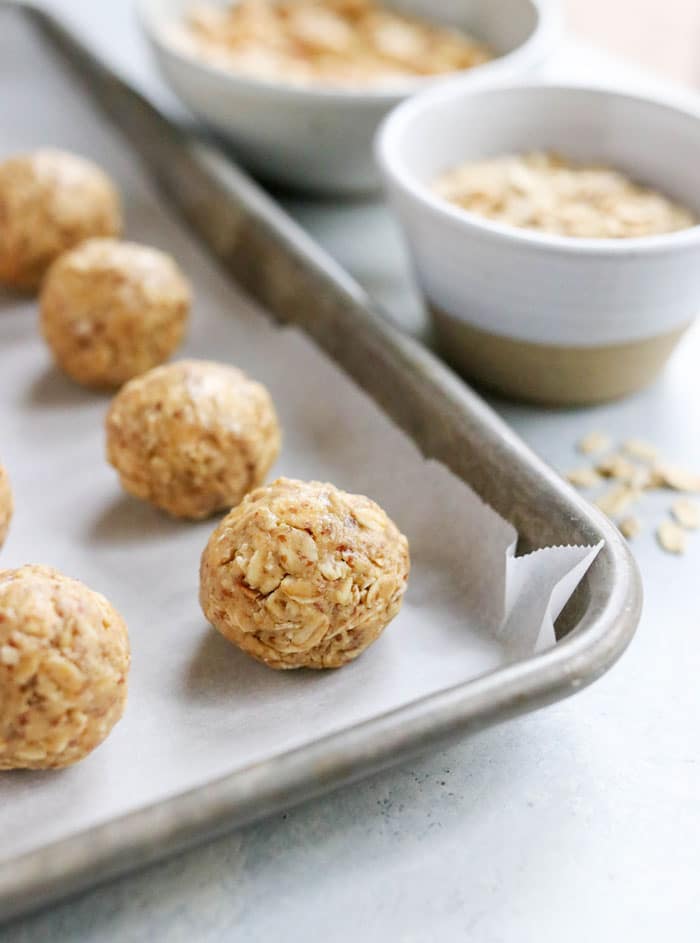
<point>301,574</point>
<point>6,505</point>
<point>49,202</point>
<point>192,437</point>
<point>64,660</point>
<point>111,310</point>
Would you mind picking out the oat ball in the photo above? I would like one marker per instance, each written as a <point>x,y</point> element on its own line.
<point>64,660</point>
<point>6,505</point>
<point>49,202</point>
<point>111,310</point>
<point>192,437</point>
<point>302,575</point>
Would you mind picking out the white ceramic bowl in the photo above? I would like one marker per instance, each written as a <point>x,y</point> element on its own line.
<point>539,316</point>
<point>319,139</point>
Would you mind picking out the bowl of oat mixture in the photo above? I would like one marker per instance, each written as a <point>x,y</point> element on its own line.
<point>553,231</point>
<point>299,87</point>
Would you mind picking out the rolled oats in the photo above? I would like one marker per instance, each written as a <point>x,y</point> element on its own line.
<point>675,477</point>
<point>630,527</point>
<point>546,192</point>
<point>671,537</point>
<point>638,468</point>
<point>617,499</point>
<point>641,450</point>
<point>618,467</point>
<point>593,443</point>
<point>340,43</point>
<point>686,513</point>
<point>583,477</point>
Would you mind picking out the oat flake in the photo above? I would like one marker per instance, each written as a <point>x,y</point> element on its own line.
<point>619,467</point>
<point>686,513</point>
<point>679,479</point>
<point>640,449</point>
<point>583,477</point>
<point>594,442</point>
<point>671,537</point>
<point>630,527</point>
<point>617,499</point>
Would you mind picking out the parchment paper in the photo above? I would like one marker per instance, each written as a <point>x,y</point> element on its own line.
<point>198,708</point>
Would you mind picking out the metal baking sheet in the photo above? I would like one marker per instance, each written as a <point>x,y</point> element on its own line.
<point>285,271</point>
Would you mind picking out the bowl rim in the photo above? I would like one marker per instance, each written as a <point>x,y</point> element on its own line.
<point>540,43</point>
<point>396,174</point>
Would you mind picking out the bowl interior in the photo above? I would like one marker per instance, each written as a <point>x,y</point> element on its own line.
<point>505,25</point>
<point>654,143</point>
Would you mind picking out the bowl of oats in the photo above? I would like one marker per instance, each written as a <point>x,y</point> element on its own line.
<point>299,87</point>
<point>553,231</point>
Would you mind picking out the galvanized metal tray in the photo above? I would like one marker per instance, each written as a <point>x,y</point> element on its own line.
<point>278,264</point>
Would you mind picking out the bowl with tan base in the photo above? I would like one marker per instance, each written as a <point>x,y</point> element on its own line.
<point>533,314</point>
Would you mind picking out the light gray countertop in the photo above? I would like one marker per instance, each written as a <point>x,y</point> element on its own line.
<point>578,823</point>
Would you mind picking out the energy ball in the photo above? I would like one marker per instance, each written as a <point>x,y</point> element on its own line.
<point>49,202</point>
<point>192,437</point>
<point>64,660</point>
<point>111,310</point>
<point>6,505</point>
<point>302,575</point>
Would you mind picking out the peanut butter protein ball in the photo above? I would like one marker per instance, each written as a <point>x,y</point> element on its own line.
<point>49,202</point>
<point>301,574</point>
<point>111,310</point>
<point>64,660</point>
<point>192,437</point>
<point>6,505</point>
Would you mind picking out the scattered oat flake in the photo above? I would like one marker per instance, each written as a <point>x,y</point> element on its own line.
<point>686,513</point>
<point>656,479</point>
<point>583,477</point>
<point>617,499</point>
<point>619,467</point>
<point>594,442</point>
<point>630,526</point>
<point>642,479</point>
<point>680,479</point>
<point>671,537</point>
<point>640,449</point>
